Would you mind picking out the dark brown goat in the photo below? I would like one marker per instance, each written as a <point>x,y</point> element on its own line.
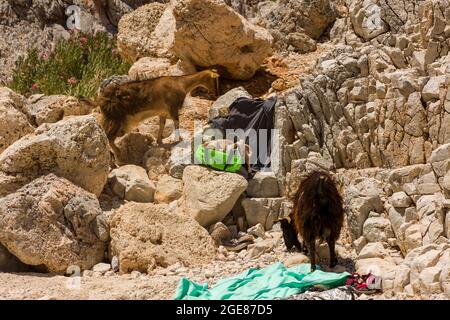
<point>318,214</point>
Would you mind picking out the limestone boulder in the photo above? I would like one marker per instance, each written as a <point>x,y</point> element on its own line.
<point>144,236</point>
<point>429,268</point>
<point>208,195</point>
<point>52,222</point>
<point>264,211</point>
<point>227,40</point>
<point>134,38</point>
<point>289,17</point>
<point>263,185</point>
<point>10,263</point>
<point>75,148</point>
<point>168,189</point>
<point>373,250</point>
<point>221,105</point>
<point>151,68</point>
<point>130,182</point>
<point>13,122</point>
<point>49,109</point>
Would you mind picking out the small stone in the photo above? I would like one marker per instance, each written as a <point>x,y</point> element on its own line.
<point>373,214</point>
<point>109,273</point>
<point>130,182</point>
<point>263,185</point>
<point>115,263</point>
<point>432,88</point>
<point>135,274</point>
<point>101,267</point>
<point>392,242</point>
<point>411,214</point>
<point>372,250</point>
<point>295,260</point>
<point>208,273</point>
<point>401,200</point>
<point>87,273</point>
<point>257,231</point>
<point>409,290</point>
<point>359,243</point>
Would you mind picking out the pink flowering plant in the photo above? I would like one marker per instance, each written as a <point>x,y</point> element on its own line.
<point>76,66</point>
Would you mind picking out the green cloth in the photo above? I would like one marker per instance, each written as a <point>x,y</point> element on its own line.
<point>274,281</point>
<point>218,159</point>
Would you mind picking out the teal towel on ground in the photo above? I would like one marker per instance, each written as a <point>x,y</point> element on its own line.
<point>274,281</point>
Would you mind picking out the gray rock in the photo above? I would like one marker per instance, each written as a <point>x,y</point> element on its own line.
<point>263,185</point>
<point>115,264</point>
<point>220,106</point>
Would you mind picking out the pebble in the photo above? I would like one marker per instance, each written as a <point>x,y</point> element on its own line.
<point>208,273</point>
<point>182,270</point>
<point>115,264</point>
<point>101,267</point>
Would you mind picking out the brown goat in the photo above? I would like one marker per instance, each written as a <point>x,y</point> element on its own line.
<point>318,214</point>
<point>124,103</point>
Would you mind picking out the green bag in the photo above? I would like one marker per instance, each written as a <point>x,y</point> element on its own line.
<point>271,282</point>
<point>218,159</point>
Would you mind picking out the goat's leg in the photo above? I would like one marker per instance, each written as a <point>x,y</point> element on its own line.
<point>176,123</point>
<point>312,254</point>
<point>112,134</point>
<point>162,123</point>
<point>331,246</point>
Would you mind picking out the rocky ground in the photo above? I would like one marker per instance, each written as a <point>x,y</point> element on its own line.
<point>363,92</point>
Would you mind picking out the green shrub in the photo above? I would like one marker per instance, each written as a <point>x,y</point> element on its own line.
<point>76,67</point>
